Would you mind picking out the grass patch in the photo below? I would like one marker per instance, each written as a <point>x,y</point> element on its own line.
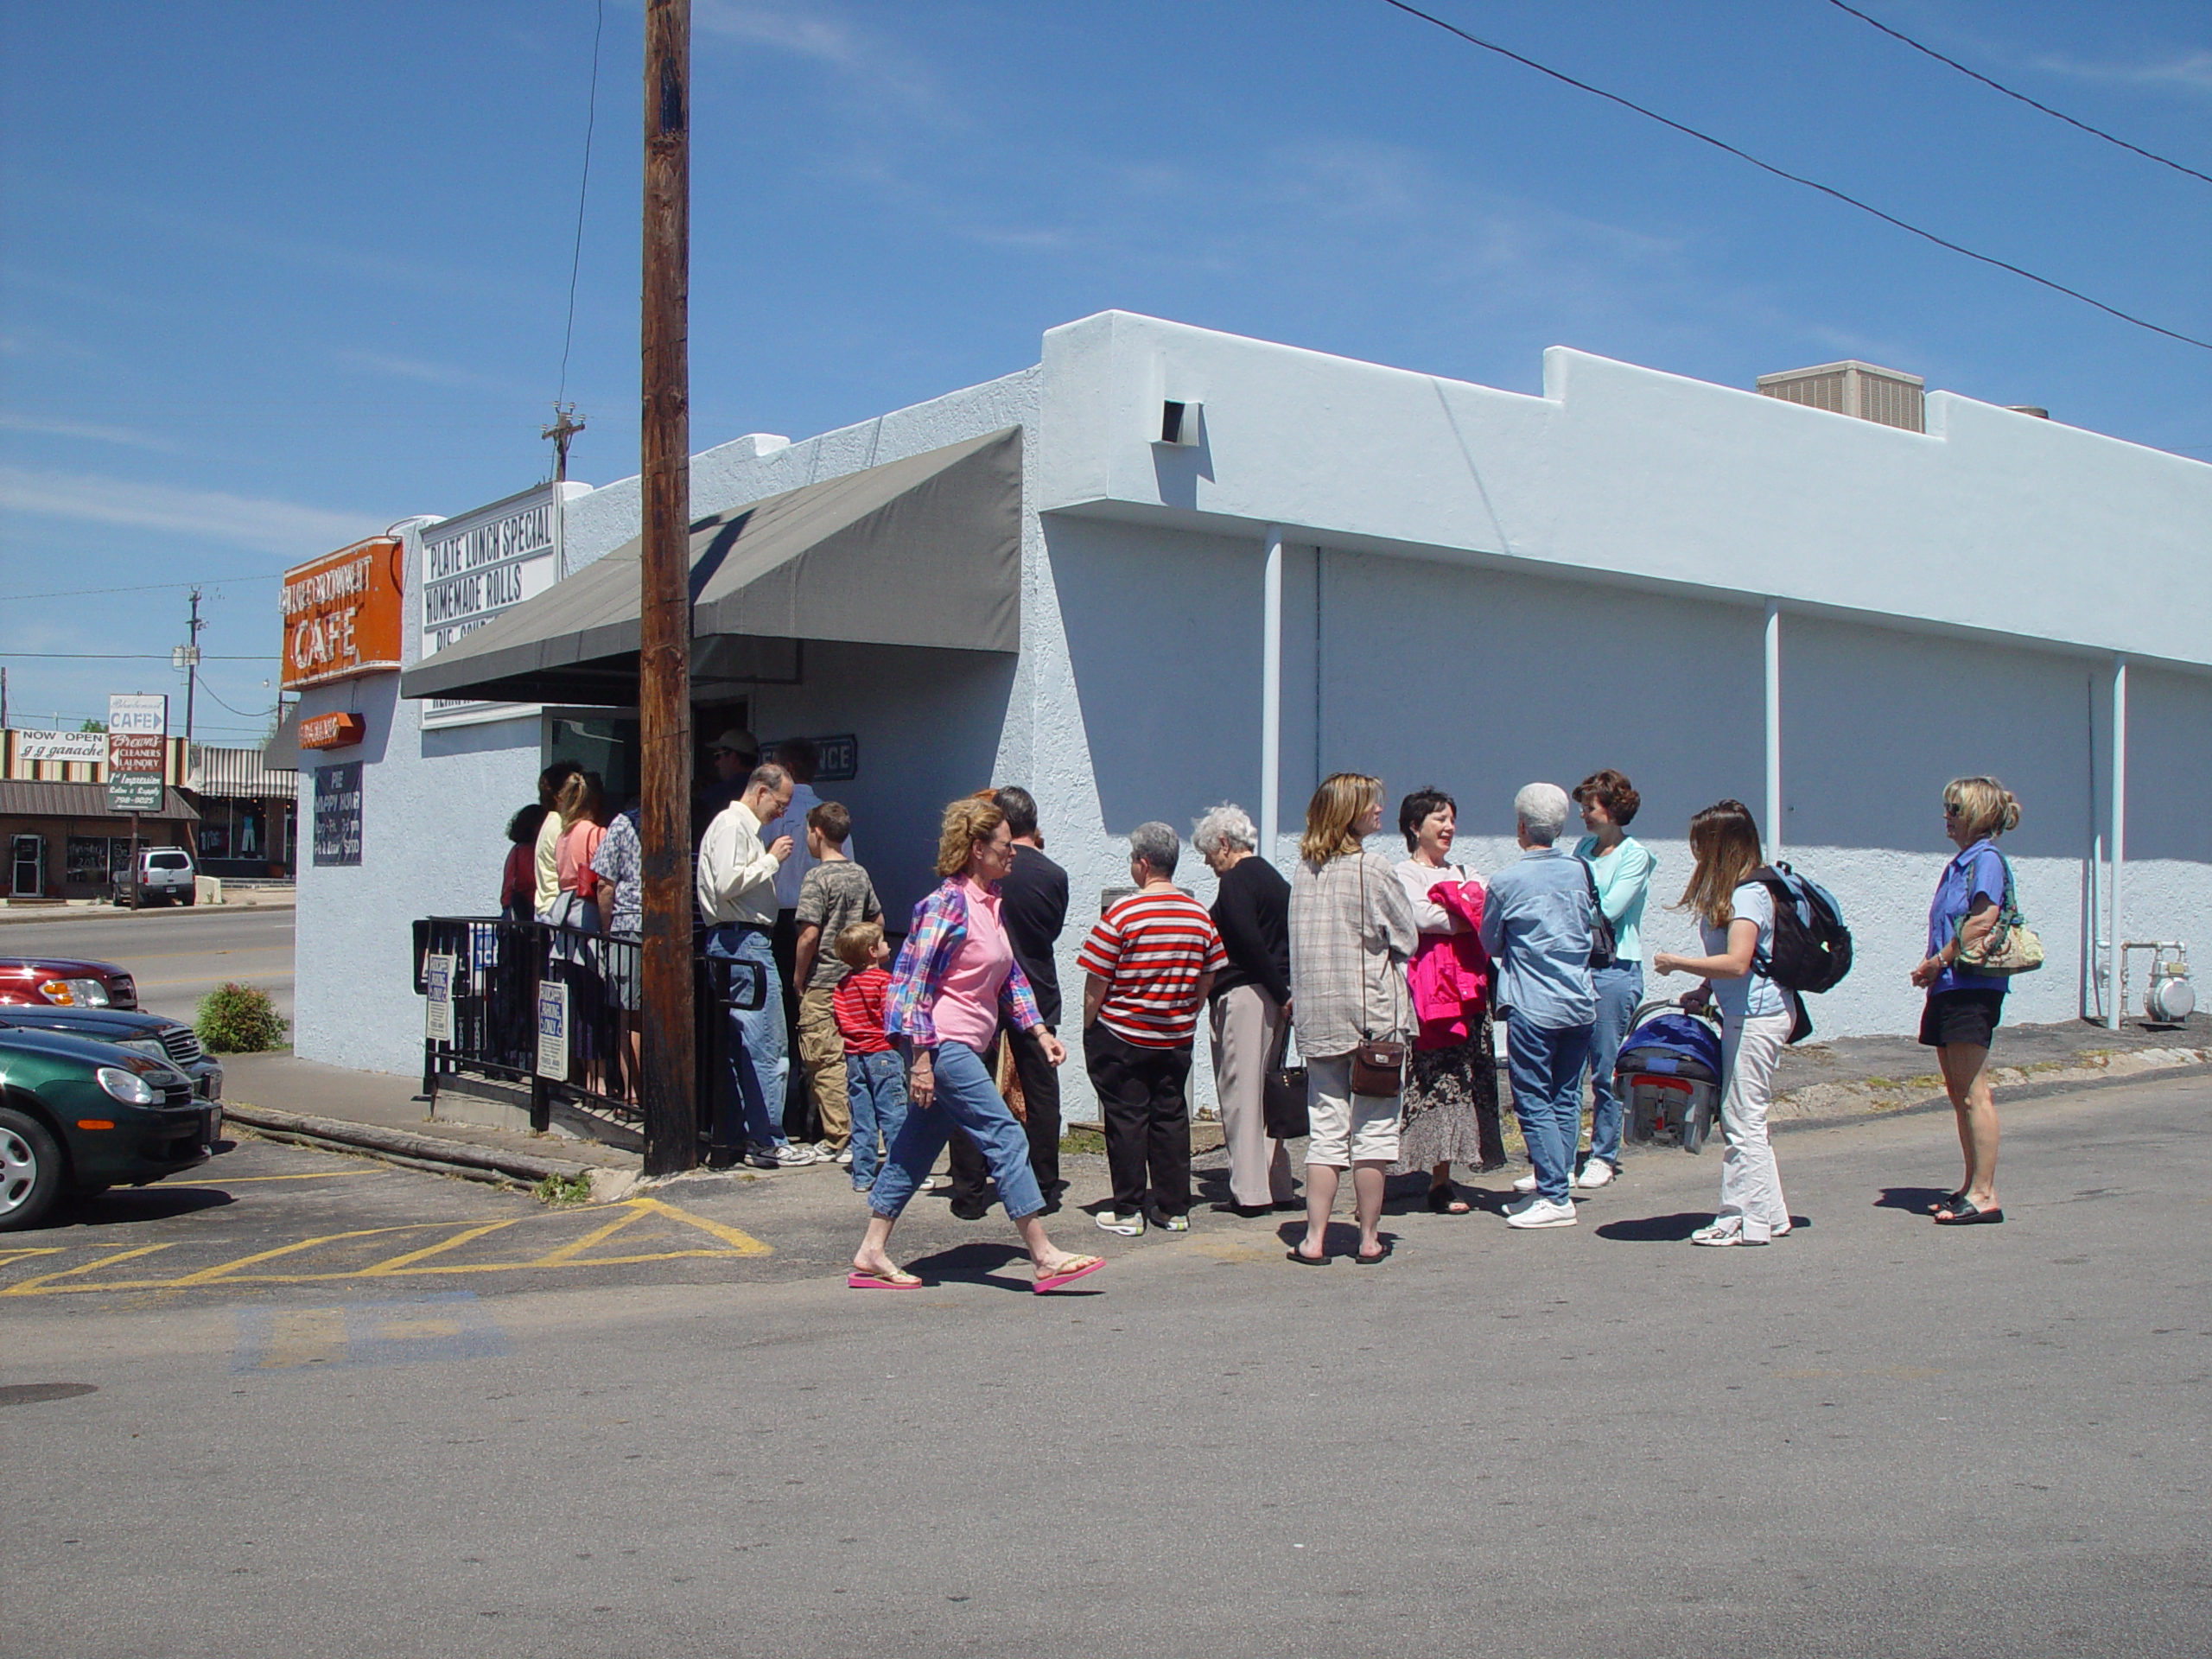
<point>1090,1141</point>
<point>558,1190</point>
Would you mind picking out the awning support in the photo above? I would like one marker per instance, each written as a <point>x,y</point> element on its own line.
<point>1773,730</point>
<point>1271,695</point>
<point>2112,1010</point>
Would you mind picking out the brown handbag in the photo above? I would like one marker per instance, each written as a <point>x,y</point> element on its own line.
<point>1378,1065</point>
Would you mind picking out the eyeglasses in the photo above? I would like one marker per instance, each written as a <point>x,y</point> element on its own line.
<point>1950,812</point>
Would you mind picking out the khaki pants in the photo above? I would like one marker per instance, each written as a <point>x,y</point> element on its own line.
<point>1249,1034</point>
<point>822,1052</point>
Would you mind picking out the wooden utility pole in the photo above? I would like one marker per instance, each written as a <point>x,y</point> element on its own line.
<point>669,1095</point>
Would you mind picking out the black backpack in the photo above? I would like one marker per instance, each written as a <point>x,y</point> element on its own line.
<point>1811,947</point>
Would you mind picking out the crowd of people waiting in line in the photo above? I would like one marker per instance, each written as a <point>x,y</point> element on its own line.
<point>1392,977</point>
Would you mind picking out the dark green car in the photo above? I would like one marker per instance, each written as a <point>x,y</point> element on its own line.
<point>78,1116</point>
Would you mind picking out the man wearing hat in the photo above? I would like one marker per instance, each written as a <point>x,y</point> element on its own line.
<point>733,755</point>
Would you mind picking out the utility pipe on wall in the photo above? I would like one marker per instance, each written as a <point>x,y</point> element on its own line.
<point>2112,1009</point>
<point>1271,694</point>
<point>1773,730</point>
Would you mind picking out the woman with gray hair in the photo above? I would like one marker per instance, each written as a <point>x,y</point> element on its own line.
<point>1249,1012</point>
<point>1536,927</point>
<point>1149,964</point>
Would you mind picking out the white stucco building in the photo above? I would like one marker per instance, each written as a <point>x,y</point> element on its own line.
<point>1346,566</point>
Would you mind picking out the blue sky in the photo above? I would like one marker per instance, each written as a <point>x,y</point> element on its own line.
<point>273,277</point>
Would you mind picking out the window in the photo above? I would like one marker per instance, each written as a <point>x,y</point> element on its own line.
<point>86,859</point>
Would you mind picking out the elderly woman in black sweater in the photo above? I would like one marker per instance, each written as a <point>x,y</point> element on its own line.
<point>1250,1005</point>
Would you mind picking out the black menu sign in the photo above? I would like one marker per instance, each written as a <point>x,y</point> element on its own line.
<point>337,814</point>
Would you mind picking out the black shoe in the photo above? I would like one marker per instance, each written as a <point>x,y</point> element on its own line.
<point>1249,1212</point>
<point>970,1211</point>
<point>1490,1167</point>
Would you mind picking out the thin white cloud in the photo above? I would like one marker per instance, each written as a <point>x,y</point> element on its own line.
<point>876,68</point>
<point>284,528</point>
<point>2192,72</point>
<point>123,436</point>
<point>428,374</point>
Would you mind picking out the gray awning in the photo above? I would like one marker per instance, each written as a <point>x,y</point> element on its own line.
<point>923,552</point>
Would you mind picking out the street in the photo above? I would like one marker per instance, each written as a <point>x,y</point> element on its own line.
<point>668,1428</point>
<point>177,955</point>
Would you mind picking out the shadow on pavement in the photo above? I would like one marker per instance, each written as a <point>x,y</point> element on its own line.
<point>127,1206</point>
<point>1917,1200</point>
<point>1000,1266</point>
<point>1674,1229</point>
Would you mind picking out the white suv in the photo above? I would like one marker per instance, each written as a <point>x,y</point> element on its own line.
<point>166,876</point>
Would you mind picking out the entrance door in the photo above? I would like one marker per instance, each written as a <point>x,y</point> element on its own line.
<point>27,867</point>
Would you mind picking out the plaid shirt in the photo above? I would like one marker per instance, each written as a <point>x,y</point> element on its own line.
<point>940,929</point>
<point>1351,933</point>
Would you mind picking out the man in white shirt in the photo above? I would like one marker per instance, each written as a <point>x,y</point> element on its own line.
<point>738,868</point>
<point>799,757</point>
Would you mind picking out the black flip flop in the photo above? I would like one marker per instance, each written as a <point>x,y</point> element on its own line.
<point>1382,1255</point>
<point>1447,1202</point>
<point>1965,1214</point>
<point>1305,1260</point>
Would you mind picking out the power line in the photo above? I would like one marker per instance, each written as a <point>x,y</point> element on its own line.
<point>125,657</point>
<point>1995,85</point>
<point>583,190</point>
<point>1796,178</point>
<point>102,592</point>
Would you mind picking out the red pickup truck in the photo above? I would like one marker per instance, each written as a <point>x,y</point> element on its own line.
<point>65,981</point>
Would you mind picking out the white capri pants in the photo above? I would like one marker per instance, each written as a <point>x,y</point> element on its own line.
<point>1750,1183</point>
<point>1348,1129</point>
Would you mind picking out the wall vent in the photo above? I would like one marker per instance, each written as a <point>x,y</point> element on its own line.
<point>1885,396</point>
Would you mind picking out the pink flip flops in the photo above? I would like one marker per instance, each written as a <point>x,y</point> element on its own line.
<point>1075,1267</point>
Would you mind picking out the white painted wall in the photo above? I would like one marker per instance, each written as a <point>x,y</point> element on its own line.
<point>1483,588</point>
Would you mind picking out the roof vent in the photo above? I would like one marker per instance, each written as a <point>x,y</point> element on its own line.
<point>1885,396</point>
<point>2035,410</point>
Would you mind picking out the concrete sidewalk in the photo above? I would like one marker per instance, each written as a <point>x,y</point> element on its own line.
<point>273,896</point>
<point>381,1115</point>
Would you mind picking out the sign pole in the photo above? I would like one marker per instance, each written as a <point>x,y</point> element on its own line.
<point>669,1094</point>
<point>134,861</point>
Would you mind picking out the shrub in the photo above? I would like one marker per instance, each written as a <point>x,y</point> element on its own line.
<point>237,1019</point>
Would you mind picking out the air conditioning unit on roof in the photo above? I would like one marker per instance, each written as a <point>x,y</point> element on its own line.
<point>1885,396</point>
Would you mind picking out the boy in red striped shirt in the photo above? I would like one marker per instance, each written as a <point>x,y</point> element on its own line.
<point>1151,961</point>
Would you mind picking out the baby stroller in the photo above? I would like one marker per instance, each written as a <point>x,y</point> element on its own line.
<point>1669,1075</point>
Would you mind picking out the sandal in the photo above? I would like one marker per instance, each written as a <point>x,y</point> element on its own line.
<point>897,1279</point>
<point>1293,1254</point>
<point>1948,1201</point>
<point>1071,1268</point>
<point>1381,1255</point>
<point>1446,1202</point>
<point>1966,1213</point>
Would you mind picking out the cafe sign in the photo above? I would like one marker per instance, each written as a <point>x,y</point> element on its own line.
<point>342,613</point>
<point>138,751</point>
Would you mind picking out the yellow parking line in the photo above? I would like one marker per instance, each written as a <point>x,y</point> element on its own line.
<point>8,1258</point>
<point>401,1263</point>
<point>31,1286</point>
<point>224,1269</point>
<point>728,1241</point>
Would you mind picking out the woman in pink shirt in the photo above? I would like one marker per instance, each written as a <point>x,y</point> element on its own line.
<point>954,976</point>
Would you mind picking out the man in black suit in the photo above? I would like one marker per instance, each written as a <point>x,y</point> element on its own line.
<point>1034,906</point>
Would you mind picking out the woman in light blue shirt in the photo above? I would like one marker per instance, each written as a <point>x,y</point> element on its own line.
<point>1735,918</point>
<point>1622,869</point>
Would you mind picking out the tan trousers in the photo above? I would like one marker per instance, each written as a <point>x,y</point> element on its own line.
<point>1249,1033</point>
<point>822,1052</point>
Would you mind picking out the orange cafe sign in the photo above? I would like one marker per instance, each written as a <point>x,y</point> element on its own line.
<point>342,613</point>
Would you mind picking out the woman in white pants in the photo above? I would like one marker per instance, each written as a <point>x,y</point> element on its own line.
<point>1736,920</point>
<point>1249,1006</point>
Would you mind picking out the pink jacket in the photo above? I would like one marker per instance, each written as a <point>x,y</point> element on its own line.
<point>1449,974</point>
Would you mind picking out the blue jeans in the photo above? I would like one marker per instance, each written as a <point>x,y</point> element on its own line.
<point>1619,989</point>
<point>1545,1068</point>
<point>876,1091</point>
<point>965,1095</point>
<point>758,1065</point>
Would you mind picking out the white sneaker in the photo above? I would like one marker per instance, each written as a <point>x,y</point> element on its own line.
<point>1129,1226</point>
<point>1728,1231</point>
<point>789,1155</point>
<point>1526,1183</point>
<point>1595,1173</point>
<point>1541,1212</point>
<point>845,1157</point>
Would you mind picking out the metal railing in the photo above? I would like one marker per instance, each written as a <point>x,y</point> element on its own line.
<point>579,1046</point>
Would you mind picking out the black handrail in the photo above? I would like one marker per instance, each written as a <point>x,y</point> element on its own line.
<point>500,967</point>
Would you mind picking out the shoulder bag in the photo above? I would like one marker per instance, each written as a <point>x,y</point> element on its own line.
<point>1604,948</point>
<point>2011,947</point>
<point>1378,1065</point>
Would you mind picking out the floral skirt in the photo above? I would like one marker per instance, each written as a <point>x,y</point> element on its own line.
<point>1450,1105</point>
